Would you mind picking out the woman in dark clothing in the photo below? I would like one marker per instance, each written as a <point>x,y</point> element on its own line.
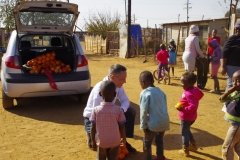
<point>231,55</point>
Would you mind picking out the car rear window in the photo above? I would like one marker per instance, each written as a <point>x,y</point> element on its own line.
<point>50,18</point>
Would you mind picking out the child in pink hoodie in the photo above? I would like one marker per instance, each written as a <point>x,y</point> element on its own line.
<point>188,111</point>
<point>162,57</point>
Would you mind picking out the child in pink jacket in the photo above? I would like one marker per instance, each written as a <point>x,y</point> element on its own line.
<point>162,57</point>
<point>188,111</point>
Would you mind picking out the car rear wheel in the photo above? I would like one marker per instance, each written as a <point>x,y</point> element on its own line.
<point>83,98</point>
<point>7,102</point>
<point>80,98</point>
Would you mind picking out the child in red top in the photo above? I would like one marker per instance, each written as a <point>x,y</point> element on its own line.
<point>162,57</point>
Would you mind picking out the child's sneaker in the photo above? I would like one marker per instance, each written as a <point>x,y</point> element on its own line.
<point>192,145</point>
<point>212,91</point>
<point>218,92</point>
<point>184,151</point>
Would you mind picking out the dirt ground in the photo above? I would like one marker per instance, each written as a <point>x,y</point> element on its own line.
<point>52,127</point>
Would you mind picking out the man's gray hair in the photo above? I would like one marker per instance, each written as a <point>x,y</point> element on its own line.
<point>116,69</point>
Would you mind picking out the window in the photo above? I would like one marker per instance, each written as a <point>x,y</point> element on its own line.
<point>203,32</point>
<point>166,34</point>
<point>49,17</point>
<point>184,31</point>
<point>169,36</point>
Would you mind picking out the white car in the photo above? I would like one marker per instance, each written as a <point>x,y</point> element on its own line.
<point>44,57</point>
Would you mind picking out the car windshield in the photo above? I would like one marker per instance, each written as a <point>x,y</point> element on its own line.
<point>50,18</point>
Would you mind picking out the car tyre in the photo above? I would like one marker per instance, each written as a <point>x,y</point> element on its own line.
<point>83,98</point>
<point>7,102</point>
<point>80,98</point>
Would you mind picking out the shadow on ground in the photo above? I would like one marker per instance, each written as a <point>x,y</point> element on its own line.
<point>173,140</point>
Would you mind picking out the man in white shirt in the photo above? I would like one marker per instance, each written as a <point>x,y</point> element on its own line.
<point>118,75</point>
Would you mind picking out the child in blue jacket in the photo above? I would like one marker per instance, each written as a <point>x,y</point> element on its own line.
<point>154,118</point>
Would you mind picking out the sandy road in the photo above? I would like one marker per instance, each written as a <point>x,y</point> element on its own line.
<point>52,127</point>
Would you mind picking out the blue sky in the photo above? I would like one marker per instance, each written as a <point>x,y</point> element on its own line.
<point>151,12</point>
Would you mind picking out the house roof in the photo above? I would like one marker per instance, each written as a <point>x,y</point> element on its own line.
<point>206,20</point>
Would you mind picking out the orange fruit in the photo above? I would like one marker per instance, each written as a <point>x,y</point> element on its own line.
<point>47,63</point>
<point>57,62</point>
<point>119,150</point>
<point>28,63</point>
<point>47,58</point>
<point>69,69</point>
<point>68,66</point>
<point>48,55</point>
<point>31,71</point>
<point>39,62</point>
<point>34,67</point>
<point>43,65</point>
<point>121,155</point>
<point>51,58</point>
<point>43,70</point>
<point>52,69</point>
<point>43,61</point>
<point>39,58</point>
<point>34,60</point>
<point>125,151</point>
<point>53,54</point>
<point>64,69</point>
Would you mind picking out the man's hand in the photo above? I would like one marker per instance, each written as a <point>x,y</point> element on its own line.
<point>94,146</point>
<point>210,58</point>
<point>123,141</point>
<point>224,71</point>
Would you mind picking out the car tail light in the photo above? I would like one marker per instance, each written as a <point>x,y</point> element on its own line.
<point>82,61</point>
<point>12,62</point>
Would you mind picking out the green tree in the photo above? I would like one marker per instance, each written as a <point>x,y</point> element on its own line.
<point>237,13</point>
<point>202,43</point>
<point>99,23</point>
<point>6,14</point>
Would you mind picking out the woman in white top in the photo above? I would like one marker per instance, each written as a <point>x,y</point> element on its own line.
<point>192,49</point>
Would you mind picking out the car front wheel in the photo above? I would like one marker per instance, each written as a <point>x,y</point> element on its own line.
<point>7,102</point>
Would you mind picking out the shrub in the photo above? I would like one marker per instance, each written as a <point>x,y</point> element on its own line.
<point>203,46</point>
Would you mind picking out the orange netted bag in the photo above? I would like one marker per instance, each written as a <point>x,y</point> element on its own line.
<point>121,156</point>
<point>122,152</point>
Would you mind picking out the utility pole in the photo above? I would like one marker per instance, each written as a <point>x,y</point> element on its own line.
<point>229,17</point>
<point>178,17</point>
<point>129,30</point>
<point>187,8</point>
<point>125,12</point>
<point>134,19</point>
<point>202,17</point>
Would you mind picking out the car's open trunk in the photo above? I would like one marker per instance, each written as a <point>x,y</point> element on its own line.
<point>53,53</point>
